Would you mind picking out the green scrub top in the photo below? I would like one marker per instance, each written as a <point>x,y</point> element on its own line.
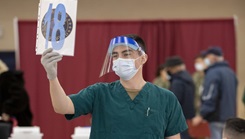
<point>155,112</point>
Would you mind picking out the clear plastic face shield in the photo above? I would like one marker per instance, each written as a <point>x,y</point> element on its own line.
<point>120,47</point>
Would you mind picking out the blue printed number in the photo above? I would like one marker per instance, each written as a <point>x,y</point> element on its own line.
<point>58,21</point>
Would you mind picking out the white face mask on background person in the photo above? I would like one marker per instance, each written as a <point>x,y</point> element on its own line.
<point>199,67</point>
<point>168,77</point>
<point>207,61</point>
<point>125,68</point>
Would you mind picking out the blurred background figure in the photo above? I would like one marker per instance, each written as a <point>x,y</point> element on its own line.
<point>234,129</point>
<point>219,94</point>
<point>162,78</point>
<point>181,84</point>
<point>198,78</point>
<point>5,128</point>
<point>14,100</point>
<point>3,67</point>
<point>202,131</point>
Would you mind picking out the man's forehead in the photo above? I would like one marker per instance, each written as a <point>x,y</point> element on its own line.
<point>122,49</point>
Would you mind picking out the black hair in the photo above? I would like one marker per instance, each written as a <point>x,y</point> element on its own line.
<point>159,69</point>
<point>235,128</point>
<point>173,61</point>
<point>10,77</point>
<point>138,39</point>
<point>199,56</point>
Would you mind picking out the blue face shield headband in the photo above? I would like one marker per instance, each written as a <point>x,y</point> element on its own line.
<point>129,43</point>
<point>123,41</point>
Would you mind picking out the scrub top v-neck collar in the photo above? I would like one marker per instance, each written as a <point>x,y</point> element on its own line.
<point>142,93</point>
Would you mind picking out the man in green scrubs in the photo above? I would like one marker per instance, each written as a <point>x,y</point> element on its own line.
<point>130,108</point>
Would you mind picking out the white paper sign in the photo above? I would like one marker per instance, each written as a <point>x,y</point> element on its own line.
<point>56,26</point>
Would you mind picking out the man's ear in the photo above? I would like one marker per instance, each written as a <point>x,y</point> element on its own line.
<point>144,58</point>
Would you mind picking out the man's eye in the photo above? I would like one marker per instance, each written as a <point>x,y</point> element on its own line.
<point>127,54</point>
<point>114,56</point>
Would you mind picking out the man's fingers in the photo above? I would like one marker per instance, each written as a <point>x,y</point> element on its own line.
<point>55,61</point>
<point>53,58</point>
<point>49,56</point>
<point>47,51</point>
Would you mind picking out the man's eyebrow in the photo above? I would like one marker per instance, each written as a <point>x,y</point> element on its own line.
<point>113,53</point>
<point>128,50</point>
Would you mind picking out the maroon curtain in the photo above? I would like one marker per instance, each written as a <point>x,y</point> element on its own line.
<point>185,38</point>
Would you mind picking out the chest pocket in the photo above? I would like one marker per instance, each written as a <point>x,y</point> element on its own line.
<point>154,122</point>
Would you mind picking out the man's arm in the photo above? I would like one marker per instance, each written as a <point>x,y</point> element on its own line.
<point>176,122</point>
<point>177,136</point>
<point>209,98</point>
<point>62,104</point>
<point>210,95</point>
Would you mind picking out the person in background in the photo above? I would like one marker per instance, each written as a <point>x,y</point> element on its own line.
<point>129,108</point>
<point>162,78</point>
<point>234,129</point>
<point>5,127</point>
<point>219,94</point>
<point>3,67</point>
<point>198,78</point>
<point>14,100</point>
<point>181,84</point>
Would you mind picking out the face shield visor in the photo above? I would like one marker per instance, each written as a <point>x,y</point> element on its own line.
<point>120,47</point>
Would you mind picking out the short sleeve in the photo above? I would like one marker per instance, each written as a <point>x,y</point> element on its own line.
<point>83,102</point>
<point>176,122</point>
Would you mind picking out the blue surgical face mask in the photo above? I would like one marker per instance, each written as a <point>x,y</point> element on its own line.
<point>125,68</point>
